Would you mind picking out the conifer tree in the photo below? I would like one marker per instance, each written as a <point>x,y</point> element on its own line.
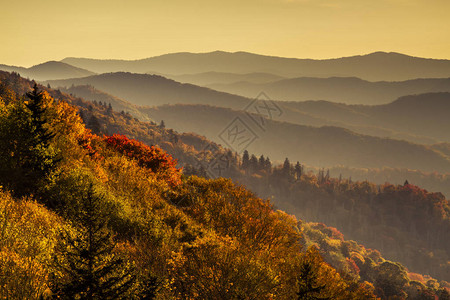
<point>309,287</point>
<point>286,168</point>
<point>268,164</point>
<point>261,163</point>
<point>298,170</point>
<point>253,163</point>
<point>94,125</point>
<point>245,160</point>
<point>26,154</point>
<point>86,259</point>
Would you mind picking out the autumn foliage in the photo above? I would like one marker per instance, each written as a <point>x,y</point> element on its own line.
<point>153,158</point>
<point>179,237</point>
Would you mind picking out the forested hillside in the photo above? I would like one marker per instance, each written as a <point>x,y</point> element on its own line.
<point>397,120</point>
<point>153,231</point>
<point>318,146</point>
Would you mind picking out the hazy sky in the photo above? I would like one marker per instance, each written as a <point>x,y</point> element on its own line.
<point>37,31</point>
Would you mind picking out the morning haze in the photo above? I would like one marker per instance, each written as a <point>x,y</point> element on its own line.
<point>258,149</point>
<point>134,29</point>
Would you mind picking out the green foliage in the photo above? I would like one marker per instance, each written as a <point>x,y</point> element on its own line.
<point>138,229</point>
<point>90,268</point>
<point>27,156</point>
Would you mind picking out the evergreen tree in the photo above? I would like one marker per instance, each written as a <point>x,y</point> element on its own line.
<point>94,125</point>
<point>261,163</point>
<point>268,164</point>
<point>110,109</point>
<point>245,160</point>
<point>86,259</point>
<point>286,168</point>
<point>27,157</point>
<point>309,287</point>
<point>162,125</point>
<point>298,170</point>
<point>253,163</point>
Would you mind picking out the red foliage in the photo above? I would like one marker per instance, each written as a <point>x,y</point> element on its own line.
<point>153,158</point>
<point>331,232</point>
<point>352,266</point>
<point>86,142</point>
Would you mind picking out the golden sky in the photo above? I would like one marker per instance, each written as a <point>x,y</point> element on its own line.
<point>37,31</point>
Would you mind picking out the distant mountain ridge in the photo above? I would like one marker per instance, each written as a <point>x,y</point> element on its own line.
<point>350,90</point>
<point>211,78</point>
<point>324,146</point>
<point>153,90</point>
<point>376,66</point>
<point>49,70</point>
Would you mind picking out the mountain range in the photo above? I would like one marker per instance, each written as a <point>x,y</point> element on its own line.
<point>374,67</point>
<point>349,90</point>
<point>396,120</point>
<point>49,70</point>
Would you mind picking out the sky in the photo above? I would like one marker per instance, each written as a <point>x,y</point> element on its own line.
<point>37,31</point>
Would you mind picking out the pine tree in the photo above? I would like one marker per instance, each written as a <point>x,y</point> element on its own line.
<point>94,125</point>
<point>261,163</point>
<point>110,109</point>
<point>309,287</point>
<point>253,163</point>
<point>27,157</point>
<point>268,164</point>
<point>86,259</point>
<point>298,170</point>
<point>286,168</point>
<point>245,160</point>
<point>162,125</point>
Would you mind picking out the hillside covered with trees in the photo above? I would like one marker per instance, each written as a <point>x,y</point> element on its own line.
<point>108,217</point>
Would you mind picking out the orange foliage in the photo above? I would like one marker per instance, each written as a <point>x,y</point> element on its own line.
<point>153,158</point>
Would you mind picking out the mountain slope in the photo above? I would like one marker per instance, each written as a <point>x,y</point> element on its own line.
<point>49,70</point>
<point>375,66</point>
<point>324,146</point>
<point>150,90</point>
<point>209,78</point>
<point>144,89</point>
<point>336,89</point>
<point>422,115</point>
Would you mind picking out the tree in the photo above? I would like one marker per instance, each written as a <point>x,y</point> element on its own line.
<point>391,279</point>
<point>162,125</point>
<point>253,163</point>
<point>86,258</point>
<point>261,163</point>
<point>268,164</point>
<point>27,156</point>
<point>309,287</point>
<point>94,125</point>
<point>110,109</point>
<point>286,170</point>
<point>245,160</point>
<point>298,170</point>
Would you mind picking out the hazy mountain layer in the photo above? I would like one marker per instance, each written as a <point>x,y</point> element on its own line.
<point>348,90</point>
<point>212,78</point>
<point>325,146</point>
<point>49,70</point>
<point>375,66</point>
<point>394,121</point>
